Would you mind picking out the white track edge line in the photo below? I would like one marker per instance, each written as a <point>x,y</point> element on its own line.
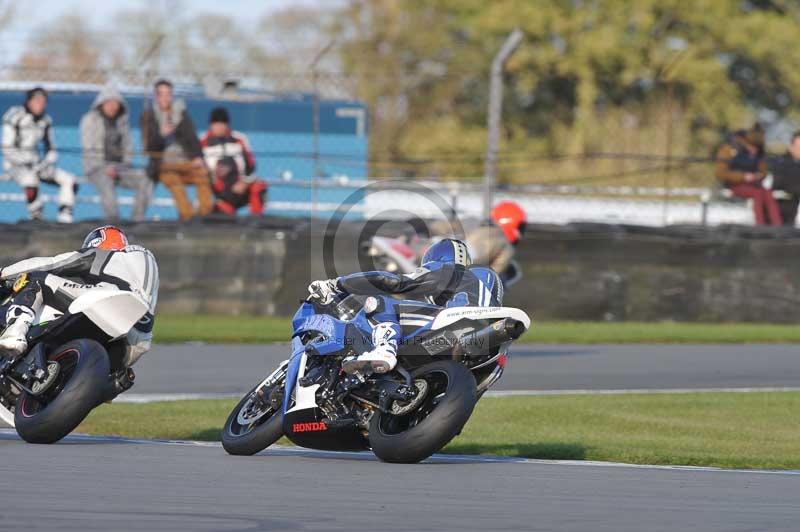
<point>455,458</point>
<point>143,398</point>
<point>622,391</point>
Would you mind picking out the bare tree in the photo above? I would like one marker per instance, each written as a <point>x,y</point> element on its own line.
<point>71,53</point>
<point>7,12</point>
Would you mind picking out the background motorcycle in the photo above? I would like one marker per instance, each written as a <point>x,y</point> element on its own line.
<point>446,362</point>
<point>73,364</point>
<point>401,255</point>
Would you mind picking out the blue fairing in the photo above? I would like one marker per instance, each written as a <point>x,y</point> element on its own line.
<point>305,310</point>
<point>333,335</point>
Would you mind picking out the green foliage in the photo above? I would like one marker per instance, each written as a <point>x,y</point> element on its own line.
<point>589,76</point>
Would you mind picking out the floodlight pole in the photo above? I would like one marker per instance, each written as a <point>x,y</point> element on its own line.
<point>495,113</point>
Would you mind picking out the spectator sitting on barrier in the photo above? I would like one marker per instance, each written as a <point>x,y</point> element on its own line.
<point>107,151</point>
<point>741,167</point>
<point>227,153</point>
<point>25,128</point>
<point>176,158</point>
<point>786,173</point>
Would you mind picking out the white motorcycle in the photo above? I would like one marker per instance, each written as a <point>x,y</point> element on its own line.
<point>73,364</point>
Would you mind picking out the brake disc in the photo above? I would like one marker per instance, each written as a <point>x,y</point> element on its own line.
<point>254,409</point>
<point>402,408</point>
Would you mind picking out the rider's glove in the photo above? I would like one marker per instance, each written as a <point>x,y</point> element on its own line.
<point>323,291</point>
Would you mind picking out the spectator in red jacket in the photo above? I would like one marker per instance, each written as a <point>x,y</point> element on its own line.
<point>227,153</point>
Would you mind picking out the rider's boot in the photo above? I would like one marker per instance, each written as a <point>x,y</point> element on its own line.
<point>14,340</point>
<point>381,359</point>
<point>64,215</point>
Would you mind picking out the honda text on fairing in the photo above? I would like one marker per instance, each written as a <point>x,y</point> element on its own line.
<point>75,323</point>
<point>446,359</point>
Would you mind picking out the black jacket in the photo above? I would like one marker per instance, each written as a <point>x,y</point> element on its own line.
<point>786,172</point>
<point>154,144</point>
<point>437,285</point>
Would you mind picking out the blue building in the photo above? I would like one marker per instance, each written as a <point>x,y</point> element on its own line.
<point>281,133</point>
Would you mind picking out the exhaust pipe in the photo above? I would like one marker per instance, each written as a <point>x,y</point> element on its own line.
<point>476,343</point>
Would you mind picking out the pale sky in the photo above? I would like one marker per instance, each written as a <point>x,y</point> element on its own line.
<point>34,14</point>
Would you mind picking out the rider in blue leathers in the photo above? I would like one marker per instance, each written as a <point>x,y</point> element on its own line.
<point>442,279</point>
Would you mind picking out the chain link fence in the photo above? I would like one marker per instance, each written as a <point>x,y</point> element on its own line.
<point>316,144</point>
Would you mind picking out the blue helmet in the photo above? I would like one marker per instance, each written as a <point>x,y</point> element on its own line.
<point>447,250</point>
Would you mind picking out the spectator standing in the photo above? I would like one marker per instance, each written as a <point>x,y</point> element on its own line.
<point>786,173</point>
<point>741,167</point>
<point>29,155</point>
<point>170,139</point>
<point>107,151</point>
<point>227,153</point>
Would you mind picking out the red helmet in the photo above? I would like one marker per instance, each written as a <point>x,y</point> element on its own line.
<point>511,219</point>
<point>108,237</point>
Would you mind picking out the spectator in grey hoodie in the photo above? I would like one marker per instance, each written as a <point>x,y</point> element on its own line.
<point>107,151</point>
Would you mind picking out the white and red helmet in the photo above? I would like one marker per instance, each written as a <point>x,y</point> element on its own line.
<point>108,237</point>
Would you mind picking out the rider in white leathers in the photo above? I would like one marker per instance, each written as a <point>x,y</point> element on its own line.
<point>105,259</point>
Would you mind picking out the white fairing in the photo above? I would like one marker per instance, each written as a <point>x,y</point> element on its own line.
<point>6,416</point>
<point>115,311</point>
<point>48,314</point>
<point>304,396</point>
<point>450,316</point>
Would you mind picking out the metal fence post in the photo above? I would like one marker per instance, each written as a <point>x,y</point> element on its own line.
<point>315,111</point>
<point>494,115</point>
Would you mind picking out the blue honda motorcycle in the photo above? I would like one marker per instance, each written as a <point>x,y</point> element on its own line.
<point>447,359</point>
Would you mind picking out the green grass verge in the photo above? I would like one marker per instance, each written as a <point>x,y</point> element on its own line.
<point>252,329</point>
<point>731,430</point>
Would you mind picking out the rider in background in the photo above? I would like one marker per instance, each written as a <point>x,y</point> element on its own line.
<point>105,259</point>
<point>443,279</point>
<point>494,244</point>
<point>491,243</point>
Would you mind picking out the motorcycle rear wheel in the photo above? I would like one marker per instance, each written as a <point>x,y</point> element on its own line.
<point>246,439</point>
<point>80,386</point>
<point>446,408</point>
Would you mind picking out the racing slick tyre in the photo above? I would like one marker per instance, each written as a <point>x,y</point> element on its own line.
<point>80,385</point>
<point>408,437</point>
<point>255,423</point>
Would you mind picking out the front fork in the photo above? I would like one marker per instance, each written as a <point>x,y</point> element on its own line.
<point>272,379</point>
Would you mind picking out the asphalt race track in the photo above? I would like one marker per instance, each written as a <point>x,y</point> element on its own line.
<point>103,484</point>
<point>228,369</point>
<point>93,483</point>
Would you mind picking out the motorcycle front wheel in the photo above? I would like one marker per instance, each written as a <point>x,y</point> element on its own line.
<point>255,423</point>
<point>450,395</point>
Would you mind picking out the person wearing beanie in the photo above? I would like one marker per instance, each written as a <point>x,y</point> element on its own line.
<point>227,153</point>
<point>29,155</point>
<point>741,167</point>
<point>176,158</point>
